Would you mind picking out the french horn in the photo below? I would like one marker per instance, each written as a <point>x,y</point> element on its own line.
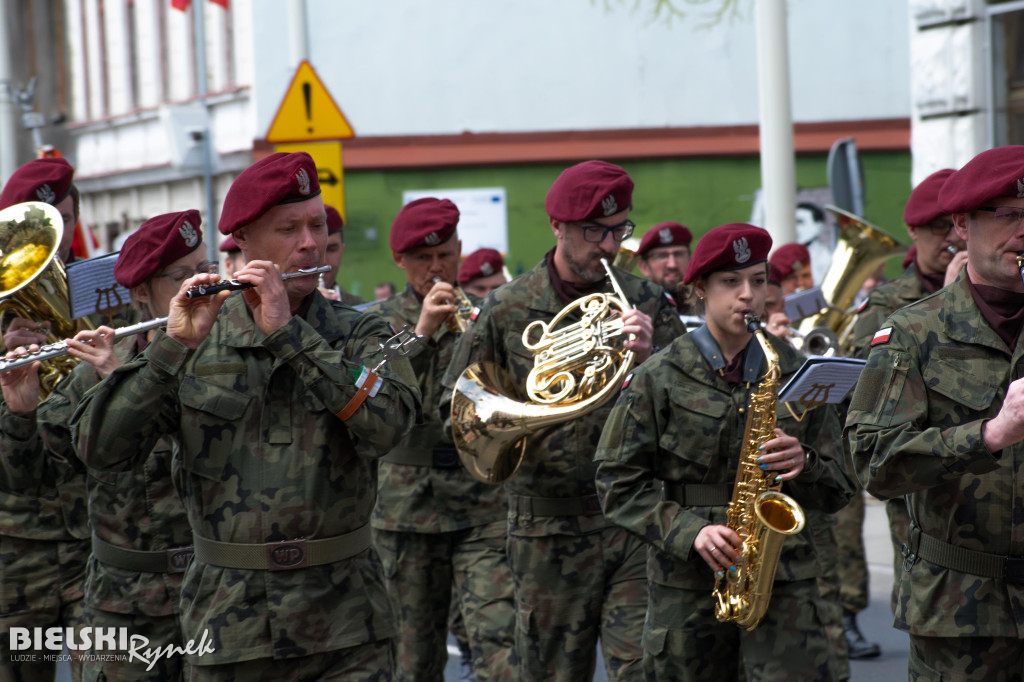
<point>579,364</point>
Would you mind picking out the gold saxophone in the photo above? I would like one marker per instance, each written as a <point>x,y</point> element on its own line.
<point>760,514</point>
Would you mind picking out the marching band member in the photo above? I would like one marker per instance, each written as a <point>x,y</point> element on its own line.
<point>793,263</point>
<point>482,272</point>
<point>332,256</point>
<point>664,254</point>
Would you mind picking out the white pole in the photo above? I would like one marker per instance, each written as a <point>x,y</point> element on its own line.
<point>201,90</point>
<point>298,37</point>
<point>778,175</point>
<point>8,129</point>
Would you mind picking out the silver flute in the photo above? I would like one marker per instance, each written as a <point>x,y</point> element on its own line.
<point>56,350</point>
<point>235,285</point>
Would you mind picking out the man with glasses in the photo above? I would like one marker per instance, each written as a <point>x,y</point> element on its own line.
<point>938,416</point>
<point>664,254</point>
<point>576,577</point>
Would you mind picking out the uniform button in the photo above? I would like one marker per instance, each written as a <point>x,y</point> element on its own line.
<point>742,410</point>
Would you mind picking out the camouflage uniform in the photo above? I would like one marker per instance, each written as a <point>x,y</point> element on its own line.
<point>675,434</point>
<point>266,460</point>
<point>349,299</point>
<point>136,510</point>
<point>882,302</point>
<point>44,543</point>
<point>914,428</point>
<point>576,577</point>
<point>435,526</point>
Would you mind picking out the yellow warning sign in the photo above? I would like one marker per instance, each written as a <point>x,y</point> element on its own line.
<point>308,112</point>
<point>327,157</point>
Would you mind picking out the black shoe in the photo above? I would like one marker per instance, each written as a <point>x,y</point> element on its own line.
<point>859,647</point>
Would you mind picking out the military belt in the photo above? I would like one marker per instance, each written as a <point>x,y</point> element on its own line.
<point>962,560</point>
<point>286,555</point>
<point>588,505</point>
<point>699,494</point>
<point>173,560</point>
<point>439,458</point>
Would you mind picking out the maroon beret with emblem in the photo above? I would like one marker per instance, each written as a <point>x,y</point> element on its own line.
<point>728,247</point>
<point>911,255</point>
<point>789,258</point>
<point>923,205</point>
<point>424,222</point>
<point>592,189</point>
<point>991,174</point>
<point>335,222</point>
<point>480,263</point>
<point>281,178</point>
<point>229,245</point>
<point>47,180</point>
<point>157,243</point>
<point>665,234</point>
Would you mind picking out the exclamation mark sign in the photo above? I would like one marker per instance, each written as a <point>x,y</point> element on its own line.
<point>307,94</point>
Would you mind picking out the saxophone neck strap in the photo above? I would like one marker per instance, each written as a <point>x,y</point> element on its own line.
<point>711,352</point>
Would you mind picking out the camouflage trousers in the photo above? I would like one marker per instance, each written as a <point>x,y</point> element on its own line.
<point>371,662</point>
<point>114,665</point>
<point>966,659</point>
<point>853,565</point>
<point>420,570</point>
<point>40,586</point>
<point>684,642</point>
<point>572,589</point>
<point>822,528</point>
<point>899,530</point>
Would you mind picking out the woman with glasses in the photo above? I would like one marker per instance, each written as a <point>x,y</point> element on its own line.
<point>141,538</point>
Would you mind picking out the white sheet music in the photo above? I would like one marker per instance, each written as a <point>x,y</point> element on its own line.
<point>92,287</point>
<point>822,380</point>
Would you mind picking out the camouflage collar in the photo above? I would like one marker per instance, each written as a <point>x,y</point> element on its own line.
<point>964,323</point>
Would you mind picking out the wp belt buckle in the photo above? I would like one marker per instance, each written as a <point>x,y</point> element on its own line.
<point>398,346</point>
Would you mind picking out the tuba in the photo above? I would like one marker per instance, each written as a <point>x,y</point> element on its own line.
<point>760,514</point>
<point>578,367</point>
<point>862,247</point>
<point>33,284</point>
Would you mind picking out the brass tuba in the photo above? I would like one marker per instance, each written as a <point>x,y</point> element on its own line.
<point>760,514</point>
<point>33,283</point>
<point>578,366</point>
<point>862,247</point>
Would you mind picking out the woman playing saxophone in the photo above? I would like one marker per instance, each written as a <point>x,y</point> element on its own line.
<point>695,423</point>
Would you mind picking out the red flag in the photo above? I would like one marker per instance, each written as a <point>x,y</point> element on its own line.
<point>222,3</point>
<point>85,244</point>
<point>181,4</point>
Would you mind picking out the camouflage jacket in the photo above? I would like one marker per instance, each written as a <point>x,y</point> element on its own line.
<point>265,459</point>
<point>136,509</point>
<point>419,498</point>
<point>349,299</point>
<point>882,302</point>
<point>679,421</point>
<point>914,428</point>
<point>559,458</point>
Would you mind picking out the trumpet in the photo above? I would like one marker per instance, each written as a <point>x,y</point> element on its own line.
<point>235,285</point>
<point>60,349</point>
<point>1020,264</point>
<point>459,321</point>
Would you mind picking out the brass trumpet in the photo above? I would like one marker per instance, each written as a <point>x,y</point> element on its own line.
<point>459,321</point>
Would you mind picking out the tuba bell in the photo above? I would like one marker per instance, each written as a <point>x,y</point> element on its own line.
<point>33,283</point>
<point>578,366</point>
<point>862,248</point>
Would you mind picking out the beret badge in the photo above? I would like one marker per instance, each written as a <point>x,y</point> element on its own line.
<point>432,239</point>
<point>46,193</point>
<point>1020,188</point>
<point>665,235</point>
<point>609,205</point>
<point>741,249</point>
<point>302,181</point>
<point>189,234</point>
<point>486,268</point>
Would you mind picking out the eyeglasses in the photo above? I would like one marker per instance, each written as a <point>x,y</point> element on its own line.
<point>181,274</point>
<point>939,228</point>
<point>661,255</point>
<point>1010,215</point>
<point>597,233</point>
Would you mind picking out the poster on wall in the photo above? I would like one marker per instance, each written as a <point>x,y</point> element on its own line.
<point>483,215</point>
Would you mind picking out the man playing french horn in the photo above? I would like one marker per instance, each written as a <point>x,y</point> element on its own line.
<point>667,473</point>
<point>436,527</point>
<point>576,577</point>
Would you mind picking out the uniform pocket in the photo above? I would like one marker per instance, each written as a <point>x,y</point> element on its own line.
<point>700,414</point>
<point>214,414</point>
<point>654,641</point>
<point>964,383</point>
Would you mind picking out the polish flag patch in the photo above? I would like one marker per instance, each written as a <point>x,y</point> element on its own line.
<point>474,314</point>
<point>862,306</point>
<point>881,336</point>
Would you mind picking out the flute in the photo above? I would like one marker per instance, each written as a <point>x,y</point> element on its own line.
<point>235,285</point>
<point>59,349</point>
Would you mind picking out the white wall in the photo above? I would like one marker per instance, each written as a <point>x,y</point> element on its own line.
<point>448,66</point>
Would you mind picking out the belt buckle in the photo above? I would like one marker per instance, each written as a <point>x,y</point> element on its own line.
<point>178,559</point>
<point>1013,570</point>
<point>287,555</point>
<point>592,505</point>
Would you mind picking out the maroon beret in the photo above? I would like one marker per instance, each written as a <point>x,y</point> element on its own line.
<point>773,275</point>
<point>157,243</point>
<point>424,222</point>
<point>923,204</point>
<point>334,220</point>
<point>789,258</point>
<point>991,174</point>
<point>592,189</point>
<point>480,263</point>
<point>911,255</point>
<point>728,247</point>
<point>281,178</point>
<point>664,234</point>
<point>47,180</point>
<point>228,245</point>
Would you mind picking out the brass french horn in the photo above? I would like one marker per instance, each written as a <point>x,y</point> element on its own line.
<point>578,366</point>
